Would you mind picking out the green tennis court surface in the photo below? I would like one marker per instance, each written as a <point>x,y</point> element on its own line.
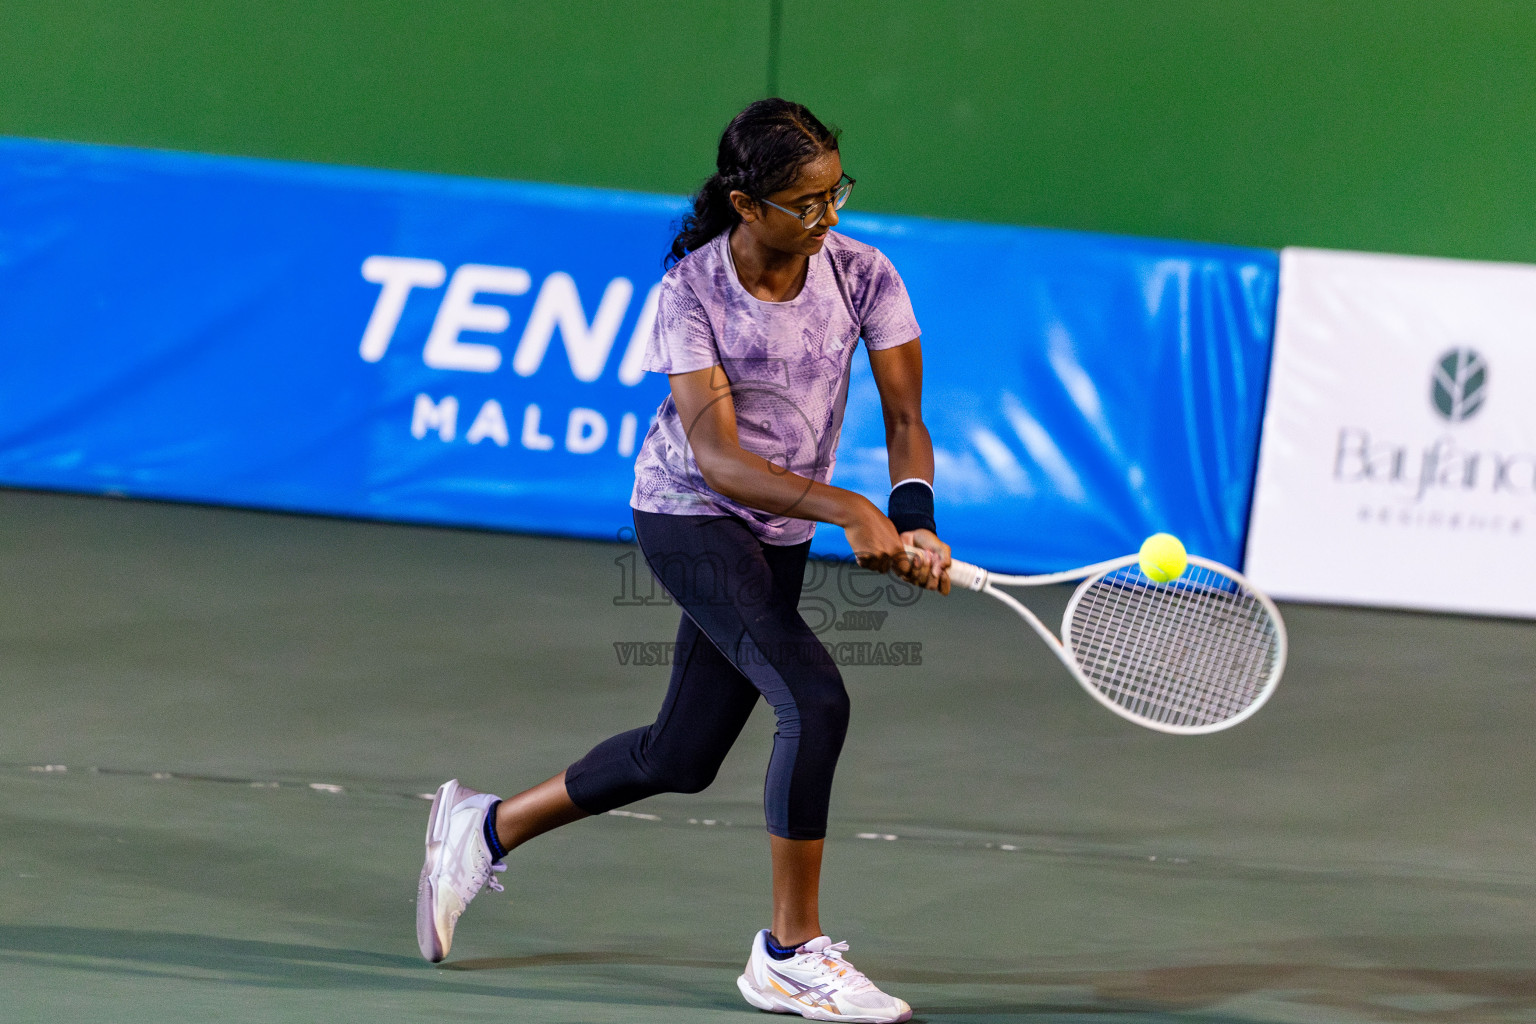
<point>217,724</point>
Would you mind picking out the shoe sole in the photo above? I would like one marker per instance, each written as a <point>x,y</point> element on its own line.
<point>766,1003</point>
<point>757,999</point>
<point>428,940</point>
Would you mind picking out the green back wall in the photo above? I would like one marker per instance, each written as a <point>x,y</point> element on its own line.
<point>1396,125</point>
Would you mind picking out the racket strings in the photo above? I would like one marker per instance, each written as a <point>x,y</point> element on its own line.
<point>1195,651</point>
<point>1182,666</point>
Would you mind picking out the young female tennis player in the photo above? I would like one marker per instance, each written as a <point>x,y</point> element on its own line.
<point>756,329</point>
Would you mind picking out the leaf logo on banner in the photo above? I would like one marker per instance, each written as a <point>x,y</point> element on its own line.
<point>1460,384</point>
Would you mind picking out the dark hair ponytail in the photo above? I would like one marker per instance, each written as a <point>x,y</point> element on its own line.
<point>761,151</point>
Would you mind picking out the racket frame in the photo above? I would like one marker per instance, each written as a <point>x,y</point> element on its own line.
<point>973,577</point>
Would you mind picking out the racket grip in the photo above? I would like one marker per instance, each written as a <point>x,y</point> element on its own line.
<point>964,574</point>
<point>961,574</point>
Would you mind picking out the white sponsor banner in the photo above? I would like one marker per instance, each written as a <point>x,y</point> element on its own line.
<point>1398,459</point>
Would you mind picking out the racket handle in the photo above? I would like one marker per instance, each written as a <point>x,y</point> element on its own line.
<point>961,574</point>
<point>964,574</point>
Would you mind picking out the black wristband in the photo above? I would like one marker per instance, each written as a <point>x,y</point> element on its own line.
<point>911,507</point>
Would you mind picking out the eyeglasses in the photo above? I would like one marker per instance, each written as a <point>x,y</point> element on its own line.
<point>811,215</point>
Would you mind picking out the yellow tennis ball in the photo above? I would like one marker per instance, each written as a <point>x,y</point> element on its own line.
<point>1163,557</point>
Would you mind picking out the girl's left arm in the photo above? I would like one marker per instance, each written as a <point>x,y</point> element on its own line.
<point>899,378</point>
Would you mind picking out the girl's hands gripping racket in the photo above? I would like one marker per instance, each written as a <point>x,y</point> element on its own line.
<point>1195,654</point>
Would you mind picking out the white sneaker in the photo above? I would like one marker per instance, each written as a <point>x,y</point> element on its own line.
<point>817,983</point>
<point>458,864</point>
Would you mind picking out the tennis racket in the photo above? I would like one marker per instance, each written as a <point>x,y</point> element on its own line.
<point>1197,654</point>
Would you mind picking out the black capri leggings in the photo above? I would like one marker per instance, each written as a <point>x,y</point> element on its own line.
<point>741,638</point>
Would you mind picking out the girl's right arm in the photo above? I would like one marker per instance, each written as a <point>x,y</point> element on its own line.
<point>708,414</point>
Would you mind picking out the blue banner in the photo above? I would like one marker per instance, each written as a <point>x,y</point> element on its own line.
<point>447,350</point>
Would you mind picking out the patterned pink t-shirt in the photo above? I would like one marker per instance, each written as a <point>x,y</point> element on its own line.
<point>786,365</point>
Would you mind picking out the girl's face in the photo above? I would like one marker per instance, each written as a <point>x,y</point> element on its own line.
<point>782,232</point>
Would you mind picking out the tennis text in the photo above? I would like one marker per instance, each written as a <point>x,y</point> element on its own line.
<point>556,309</point>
